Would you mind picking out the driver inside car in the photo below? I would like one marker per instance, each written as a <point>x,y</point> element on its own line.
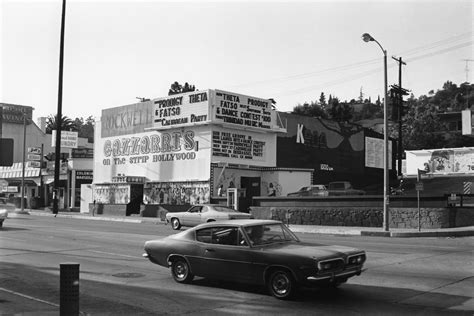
<point>255,234</point>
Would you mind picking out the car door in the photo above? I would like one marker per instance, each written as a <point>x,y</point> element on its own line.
<point>192,217</point>
<point>227,256</point>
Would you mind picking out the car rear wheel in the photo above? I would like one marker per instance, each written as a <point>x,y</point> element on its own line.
<point>281,284</point>
<point>180,271</point>
<point>175,224</point>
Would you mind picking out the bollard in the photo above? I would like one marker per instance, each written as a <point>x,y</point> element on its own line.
<point>69,289</point>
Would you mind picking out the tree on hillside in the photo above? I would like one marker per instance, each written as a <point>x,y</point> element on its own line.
<point>322,100</point>
<point>310,109</point>
<point>340,112</point>
<point>86,128</point>
<point>67,124</point>
<point>421,126</point>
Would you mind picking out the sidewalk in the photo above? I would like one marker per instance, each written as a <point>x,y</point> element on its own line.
<point>312,229</point>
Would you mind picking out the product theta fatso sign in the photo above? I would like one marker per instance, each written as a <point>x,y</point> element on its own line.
<point>182,110</point>
<point>237,109</point>
<point>213,106</point>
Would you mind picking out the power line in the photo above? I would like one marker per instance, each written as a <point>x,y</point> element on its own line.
<point>363,74</point>
<point>369,62</point>
<point>436,44</point>
<point>310,74</point>
<point>441,51</point>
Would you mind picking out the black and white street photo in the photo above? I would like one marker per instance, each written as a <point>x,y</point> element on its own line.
<point>236,157</point>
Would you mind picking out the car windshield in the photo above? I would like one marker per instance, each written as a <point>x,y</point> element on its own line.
<point>224,209</point>
<point>269,234</point>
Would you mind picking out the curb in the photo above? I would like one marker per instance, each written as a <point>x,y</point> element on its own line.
<point>295,228</point>
<point>461,233</point>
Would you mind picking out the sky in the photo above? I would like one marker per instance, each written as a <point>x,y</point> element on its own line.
<point>291,51</point>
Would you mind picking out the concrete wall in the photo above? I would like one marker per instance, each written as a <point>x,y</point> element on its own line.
<point>367,217</point>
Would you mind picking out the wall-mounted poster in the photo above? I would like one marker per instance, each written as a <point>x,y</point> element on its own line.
<point>176,193</point>
<point>112,193</point>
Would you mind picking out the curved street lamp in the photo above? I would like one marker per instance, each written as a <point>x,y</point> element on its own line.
<point>366,37</point>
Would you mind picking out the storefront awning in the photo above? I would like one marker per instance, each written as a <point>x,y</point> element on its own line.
<point>28,182</point>
<point>16,171</point>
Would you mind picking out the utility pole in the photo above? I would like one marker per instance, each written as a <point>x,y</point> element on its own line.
<point>57,162</point>
<point>467,68</point>
<point>400,104</point>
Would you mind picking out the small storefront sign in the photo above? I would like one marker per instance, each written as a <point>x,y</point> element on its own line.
<point>68,139</point>
<point>84,176</point>
<point>34,150</point>
<point>10,189</point>
<point>34,157</point>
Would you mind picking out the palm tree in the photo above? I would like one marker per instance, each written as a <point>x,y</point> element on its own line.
<point>66,124</point>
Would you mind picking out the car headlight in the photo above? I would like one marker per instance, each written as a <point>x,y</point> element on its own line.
<point>358,259</point>
<point>331,264</point>
<point>324,266</point>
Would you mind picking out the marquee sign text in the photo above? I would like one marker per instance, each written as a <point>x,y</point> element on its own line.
<point>150,148</point>
<point>233,145</point>
<point>181,110</point>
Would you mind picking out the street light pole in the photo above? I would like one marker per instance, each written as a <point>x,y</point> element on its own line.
<point>368,38</point>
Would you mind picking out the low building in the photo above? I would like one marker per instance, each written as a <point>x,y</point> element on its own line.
<point>37,146</point>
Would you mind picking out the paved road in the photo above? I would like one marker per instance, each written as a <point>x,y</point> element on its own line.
<point>425,276</point>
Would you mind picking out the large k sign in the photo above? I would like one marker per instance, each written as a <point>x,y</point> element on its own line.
<point>299,134</point>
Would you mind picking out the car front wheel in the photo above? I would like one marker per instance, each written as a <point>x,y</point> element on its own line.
<point>180,271</point>
<point>281,284</point>
<point>175,224</point>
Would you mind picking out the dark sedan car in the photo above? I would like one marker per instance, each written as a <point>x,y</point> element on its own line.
<point>263,252</point>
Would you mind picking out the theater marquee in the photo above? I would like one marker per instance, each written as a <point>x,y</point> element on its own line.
<point>181,110</point>
<point>214,106</point>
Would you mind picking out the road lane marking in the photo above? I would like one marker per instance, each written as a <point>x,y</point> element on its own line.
<point>16,239</point>
<point>114,254</point>
<point>29,297</point>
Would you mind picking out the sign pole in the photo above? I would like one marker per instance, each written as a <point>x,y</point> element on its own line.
<point>22,203</point>
<point>419,212</point>
<point>419,187</point>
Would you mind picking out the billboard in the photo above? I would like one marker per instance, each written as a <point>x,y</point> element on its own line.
<point>127,119</point>
<point>452,161</point>
<point>12,113</point>
<point>181,110</point>
<point>374,152</point>
<point>213,106</point>
<point>243,111</point>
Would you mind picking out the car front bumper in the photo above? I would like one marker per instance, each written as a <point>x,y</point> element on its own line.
<point>335,276</point>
